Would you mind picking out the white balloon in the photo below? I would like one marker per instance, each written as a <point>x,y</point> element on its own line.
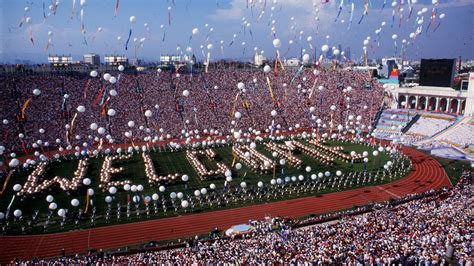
<point>14,162</point>
<point>148,113</point>
<point>75,202</point>
<point>306,58</point>
<point>267,69</point>
<point>276,43</point>
<point>132,19</point>
<point>185,93</point>
<point>17,213</point>
<point>325,48</point>
<point>17,187</point>
<point>94,73</point>
<point>238,166</point>
<point>53,206</point>
<point>121,68</point>
<point>36,92</point>
<point>112,190</point>
<point>86,181</point>
<point>81,109</point>
<point>49,198</point>
<point>111,112</point>
<point>184,204</point>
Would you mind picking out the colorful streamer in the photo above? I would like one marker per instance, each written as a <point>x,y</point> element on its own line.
<point>393,18</point>
<point>83,29</point>
<point>339,11</point>
<point>72,122</point>
<point>99,97</point>
<point>73,9</point>
<point>128,39</point>
<point>297,74</point>
<point>24,107</point>
<point>86,88</point>
<point>351,17</point>
<point>44,12</point>
<point>87,202</point>
<point>116,8</point>
<point>433,18</point>
<point>366,11</point>
<point>234,105</point>
<point>270,88</point>
<point>30,34</point>
<point>6,182</point>
<point>11,203</point>
<point>410,8</point>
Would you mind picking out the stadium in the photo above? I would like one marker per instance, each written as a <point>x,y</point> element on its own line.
<point>189,144</point>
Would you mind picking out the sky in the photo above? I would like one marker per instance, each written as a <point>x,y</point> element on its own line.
<point>170,31</point>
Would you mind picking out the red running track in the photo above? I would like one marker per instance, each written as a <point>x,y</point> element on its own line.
<point>427,174</point>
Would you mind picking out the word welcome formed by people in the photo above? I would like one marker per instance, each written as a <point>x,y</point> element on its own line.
<point>256,161</point>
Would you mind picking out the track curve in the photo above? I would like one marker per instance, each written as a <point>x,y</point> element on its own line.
<point>426,174</point>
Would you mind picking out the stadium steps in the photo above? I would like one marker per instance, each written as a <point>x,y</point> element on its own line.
<point>386,122</point>
<point>438,135</point>
<point>456,124</point>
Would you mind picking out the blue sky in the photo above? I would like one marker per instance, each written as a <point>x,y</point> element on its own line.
<point>453,37</point>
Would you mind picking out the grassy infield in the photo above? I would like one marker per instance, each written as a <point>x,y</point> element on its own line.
<point>166,162</point>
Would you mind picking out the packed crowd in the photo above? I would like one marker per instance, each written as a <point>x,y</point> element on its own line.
<point>54,110</point>
<point>432,229</point>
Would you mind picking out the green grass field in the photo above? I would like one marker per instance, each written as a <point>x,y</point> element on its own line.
<point>165,162</point>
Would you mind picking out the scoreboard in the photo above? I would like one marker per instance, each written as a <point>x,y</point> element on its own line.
<point>437,72</point>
